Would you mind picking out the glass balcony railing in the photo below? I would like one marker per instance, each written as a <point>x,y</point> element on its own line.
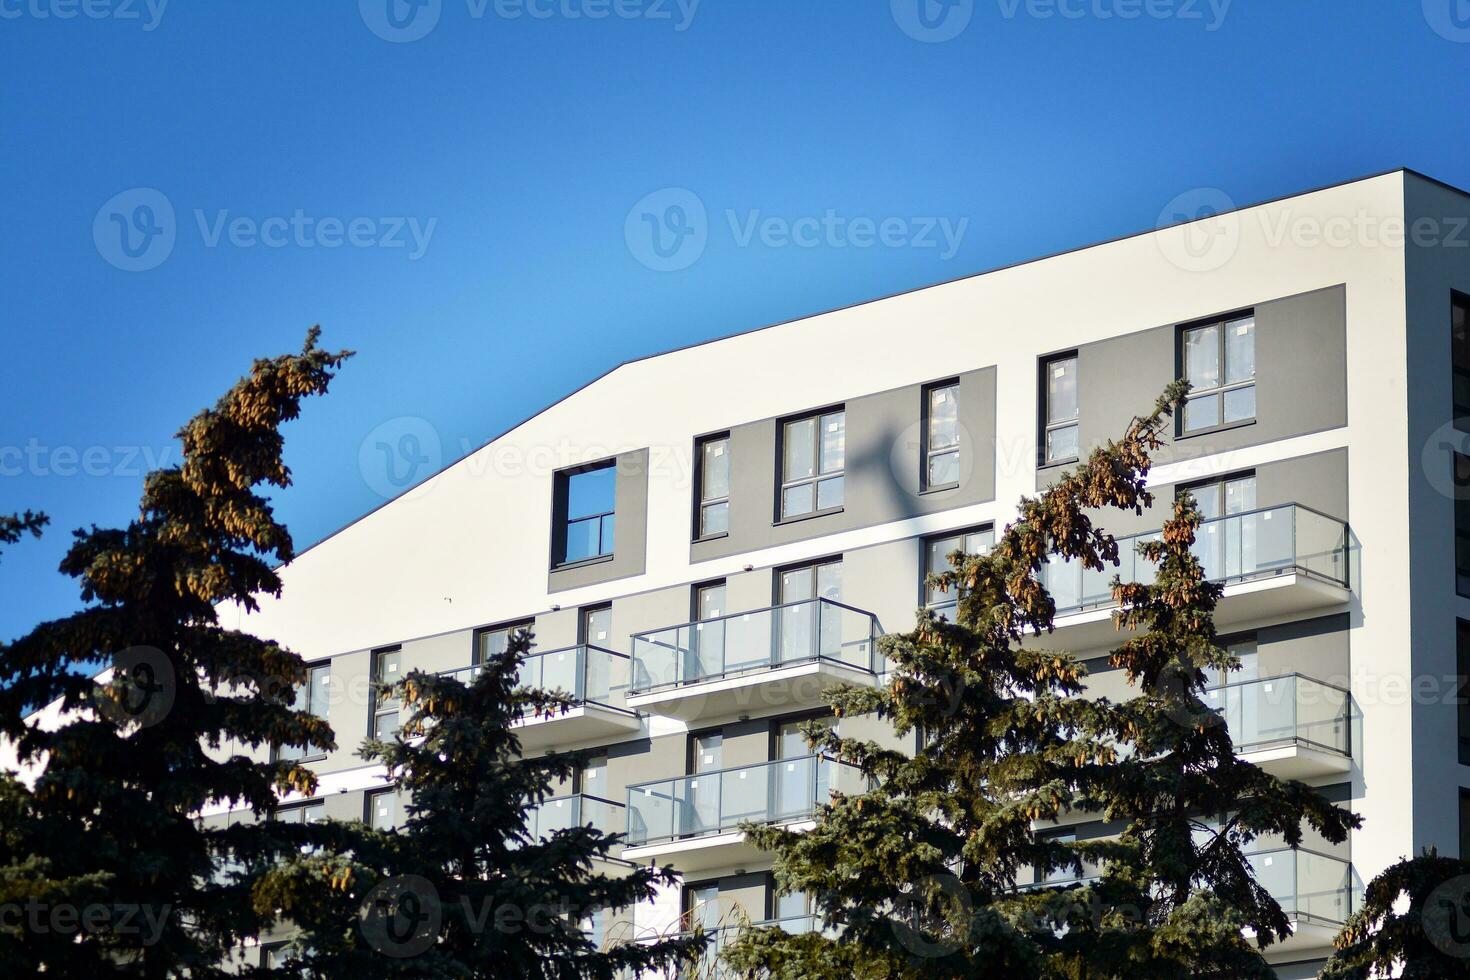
<point>1284,710</point>
<point>719,802</point>
<point>1238,548</point>
<point>565,812</point>
<point>587,674</point>
<point>1306,884</point>
<point>763,639</point>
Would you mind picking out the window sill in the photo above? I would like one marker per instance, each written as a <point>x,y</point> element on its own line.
<point>806,517</point>
<point>582,563</point>
<point>944,488</point>
<point>712,537</point>
<point>1047,464</point>
<point>1212,430</point>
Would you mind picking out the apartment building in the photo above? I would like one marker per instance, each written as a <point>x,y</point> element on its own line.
<point>706,539</point>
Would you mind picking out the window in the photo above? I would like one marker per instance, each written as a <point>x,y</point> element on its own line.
<point>492,643</point>
<point>702,907</point>
<point>936,559</point>
<point>590,778</point>
<point>1228,549</point>
<point>942,435</point>
<point>1462,524</point>
<point>595,927</point>
<point>1219,361</point>
<point>803,631</point>
<point>794,912</point>
<point>1460,355</point>
<point>596,626</point>
<point>1462,687</point>
<point>586,501</point>
<point>314,811</point>
<point>1243,649</point>
<point>1063,875</point>
<point>310,697</point>
<point>1059,413</point>
<point>386,675</point>
<point>812,459</point>
<point>704,654</point>
<point>382,809</point>
<point>1221,498</point>
<point>714,486</point>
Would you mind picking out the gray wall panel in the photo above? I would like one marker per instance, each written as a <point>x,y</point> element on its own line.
<point>882,468</point>
<point>1301,378</point>
<point>630,541</point>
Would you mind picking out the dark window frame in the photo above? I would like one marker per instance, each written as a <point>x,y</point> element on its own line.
<point>697,587</point>
<point>776,722</point>
<point>1180,331</point>
<point>927,451</point>
<point>817,477</point>
<point>562,519</point>
<point>797,566</point>
<point>1461,486</point>
<point>1459,377</point>
<point>378,708</point>
<point>369,797</point>
<point>510,625</point>
<point>689,751</point>
<point>1219,480</point>
<point>1043,415</point>
<point>582,613</point>
<point>299,806</point>
<point>700,502</point>
<point>928,539</point>
<point>324,662</point>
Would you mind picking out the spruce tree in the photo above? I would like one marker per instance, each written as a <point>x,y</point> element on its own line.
<point>916,877</point>
<point>462,888</point>
<point>15,526</point>
<point>101,854</point>
<point>1414,923</point>
<point>1176,889</point>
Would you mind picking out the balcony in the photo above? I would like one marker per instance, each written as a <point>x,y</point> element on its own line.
<point>1292,726</point>
<point>780,658</point>
<point>565,812</point>
<point>692,822</point>
<point>1274,562</point>
<point>1314,890</point>
<point>595,679</point>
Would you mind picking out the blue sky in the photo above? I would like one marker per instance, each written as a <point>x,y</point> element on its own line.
<point>465,192</point>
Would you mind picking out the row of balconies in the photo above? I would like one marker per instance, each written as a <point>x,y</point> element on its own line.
<point>1275,563</point>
